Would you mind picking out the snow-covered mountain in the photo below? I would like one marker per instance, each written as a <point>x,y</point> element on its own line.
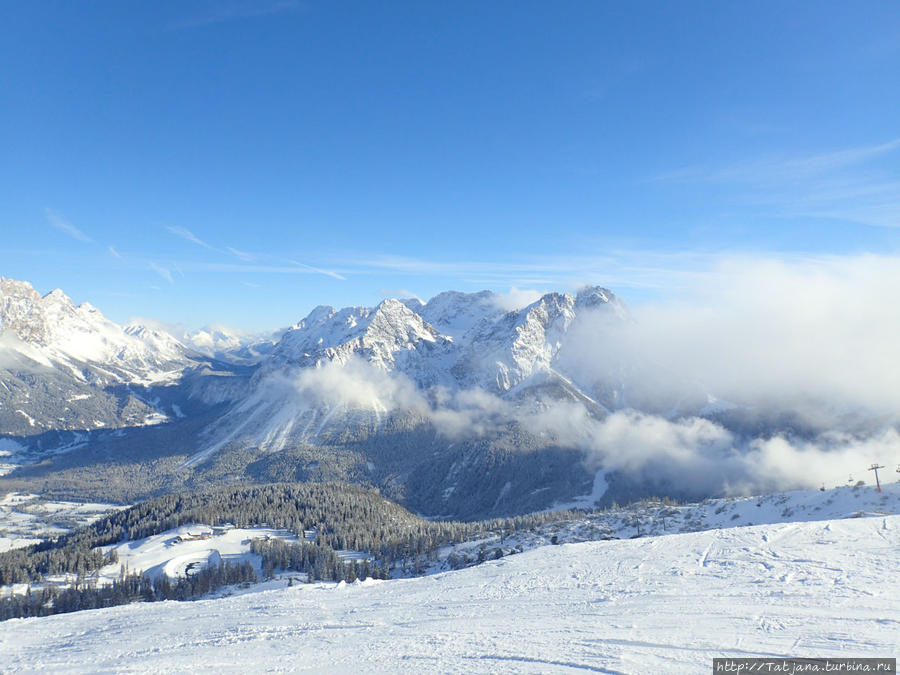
<point>52,331</point>
<point>435,394</point>
<point>423,399</point>
<point>457,406</point>
<point>230,346</point>
<point>500,352</point>
<point>438,403</point>
<point>454,313</point>
<point>457,340</point>
<point>65,367</point>
<point>386,336</point>
<point>350,371</point>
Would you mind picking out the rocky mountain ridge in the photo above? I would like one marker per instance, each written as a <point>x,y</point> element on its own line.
<point>438,404</point>
<point>67,368</point>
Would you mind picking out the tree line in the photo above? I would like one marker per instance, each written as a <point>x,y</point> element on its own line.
<point>341,516</point>
<point>127,589</point>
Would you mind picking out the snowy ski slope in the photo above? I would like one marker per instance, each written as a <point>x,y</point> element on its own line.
<point>665,604</point>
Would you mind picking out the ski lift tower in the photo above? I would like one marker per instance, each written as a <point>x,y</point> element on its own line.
<point>875,468</point>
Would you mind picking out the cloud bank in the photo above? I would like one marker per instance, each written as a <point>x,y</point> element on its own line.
<point>774,334</point>
<point>805,354</point>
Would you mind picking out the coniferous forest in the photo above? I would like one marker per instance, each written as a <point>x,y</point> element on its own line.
<point>326,517</point>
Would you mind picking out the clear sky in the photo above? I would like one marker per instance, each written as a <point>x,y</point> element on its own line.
<point>242,162</point>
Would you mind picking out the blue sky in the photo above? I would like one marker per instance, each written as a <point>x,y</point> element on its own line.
<point>242,162</point>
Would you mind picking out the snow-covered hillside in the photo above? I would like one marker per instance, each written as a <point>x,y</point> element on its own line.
<point>27,519</point>
<point>664,604</point>
<point>174,551</point>
<point>650,518</point>
<point>71,379</point>
<point>67,367</point>
<point>52,331</point>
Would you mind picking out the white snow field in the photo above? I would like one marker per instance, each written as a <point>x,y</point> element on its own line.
<point>173,552</point>
<point>666,604</point>
<point>27,519</point>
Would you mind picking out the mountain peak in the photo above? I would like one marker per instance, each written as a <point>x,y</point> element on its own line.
<point>57,295</point>
<point>318,314</point>
<point>374,333</point>
<point>17,289</point>
<point>454,313</point>
<point>597,296</point>
<point>73,337</point>
<point>393,304</point>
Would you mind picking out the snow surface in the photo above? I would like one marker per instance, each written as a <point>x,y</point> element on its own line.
<point>27,519</point>
<point>174,553</point>
<point>664,604</point>
<point>9,450</point>
<point>171,552</point>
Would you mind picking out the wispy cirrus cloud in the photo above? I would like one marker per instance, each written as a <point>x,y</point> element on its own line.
<point>846,184</point>
<point>234,10</point>
<point>634,269</point>
<point>163,272</point>
<point>60,223</point>
<point>777,169</point>
<point>251,262</point>
<point>114,252</point>
<point>274,268</point>
<point>243,255</point>
<point>187,235</point>
<point>829,161</point>
<point>641,269</point>
<point>318,270</point>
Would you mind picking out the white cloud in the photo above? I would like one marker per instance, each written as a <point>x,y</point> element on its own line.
<point>842,185</point>
<point>813,341</point>
<point>356,385</point>
<point>162,272</point>
<point>317,270</point>
<point>688,456</point>
<point>698,456</point>
<point>63,225</point>
<point>776,333</point>
<point>187,235</point>
<point>243,255</point>
<point>517,298</point>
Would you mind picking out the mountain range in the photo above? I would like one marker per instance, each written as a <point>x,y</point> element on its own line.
<point>460,406</point>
